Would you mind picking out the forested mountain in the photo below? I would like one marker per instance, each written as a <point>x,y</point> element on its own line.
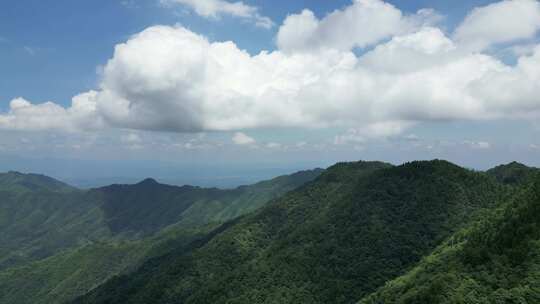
<point>149,206</point>
<point>40,216</point>
<point>59,242</point>
<point>494,260</point>
<point>333,240</point>
<point>513,173</point>
<point>421,232</point>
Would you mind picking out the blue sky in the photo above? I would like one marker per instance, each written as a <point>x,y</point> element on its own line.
<point>55,50</point>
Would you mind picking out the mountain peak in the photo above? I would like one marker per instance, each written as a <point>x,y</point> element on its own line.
<point>513,173</point>
<point>148,181</point>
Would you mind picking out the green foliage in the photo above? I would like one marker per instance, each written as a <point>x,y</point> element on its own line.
<point>76,271</point>
<point>59,242</point>
<point>37,224</point>
<point>148,206</point>
<point>513,173</point>
<point>333,240</point>
<point>19,182</point>
<point>495,260</point>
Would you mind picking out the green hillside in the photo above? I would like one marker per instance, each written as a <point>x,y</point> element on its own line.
<point>40,216</point>
<point>513,173</point>
<point>19,182</point>
<point>147,207</point>
<point>75,271</point>
<point>60,242</point>
<point>495,260</point>
<point>333,240</point>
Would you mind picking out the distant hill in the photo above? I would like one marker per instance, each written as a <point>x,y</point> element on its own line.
<point>149,206</point>
<point>333,240</point>
<point>513,173</point>
<point>40,216</point>
<point>58,242</point>
<point>20,182</point>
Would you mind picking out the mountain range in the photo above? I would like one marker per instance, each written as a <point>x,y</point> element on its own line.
<point>367,232</point>
<point>60,242</point>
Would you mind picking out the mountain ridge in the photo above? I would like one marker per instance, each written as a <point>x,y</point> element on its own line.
<point>326,241</point>
<point>70,244</point>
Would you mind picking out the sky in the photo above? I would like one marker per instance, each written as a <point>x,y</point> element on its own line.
<point>219,93</point>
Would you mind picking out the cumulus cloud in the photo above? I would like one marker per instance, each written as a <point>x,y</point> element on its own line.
<point>168,78</point>
<point>216,8</point>
<point>240,138</point>
<point>81,115</point>
<point>361,24</point>
<point>499,22</point>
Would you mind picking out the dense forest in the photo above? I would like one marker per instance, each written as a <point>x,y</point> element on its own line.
<point>335,240</point>
<point>59,242</point>
<point>421,232</point>
<point>494,260</point>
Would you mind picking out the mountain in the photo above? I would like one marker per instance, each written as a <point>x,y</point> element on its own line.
<point>333,240</point>
<point>149,206</point>
<point>19,182</point>
<point>40,216</point>
<point>495,260</point>
<point>59,242</point>
<point>513,173</point>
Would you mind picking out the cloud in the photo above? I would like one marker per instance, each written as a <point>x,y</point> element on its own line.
<point>81,115</point>
<point>372,131</point>
<point>274,145</point>
<point>500,22</point>
<point>130,4</point>
<point>361,24</point>
<point>481,145</point>
<point>240,138</point>
<point>217,8</point>
<point>168,78</point>
<point>30,50</point>
<point>131,138</point>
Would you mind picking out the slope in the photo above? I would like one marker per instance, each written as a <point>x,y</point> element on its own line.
<point>513,173</point>
<point>149,206</point>
<point>40,216</point>
<point>333,240</point>
<point>85,237</point>
<point>495,260</point>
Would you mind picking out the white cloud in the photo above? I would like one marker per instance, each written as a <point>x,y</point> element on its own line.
<point>499,22</point>
<point>216,8</point>
<point>240,138</point>
<point>273,145</point>
<point>30,50</point>
<point>130,4</point>
<point>131,138</point>
<point>81,115</point>
<point>361,24</point>
<point>172,79</point>
<point>372,131</point>
<point>412,137</point>
<point>481,145</point>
